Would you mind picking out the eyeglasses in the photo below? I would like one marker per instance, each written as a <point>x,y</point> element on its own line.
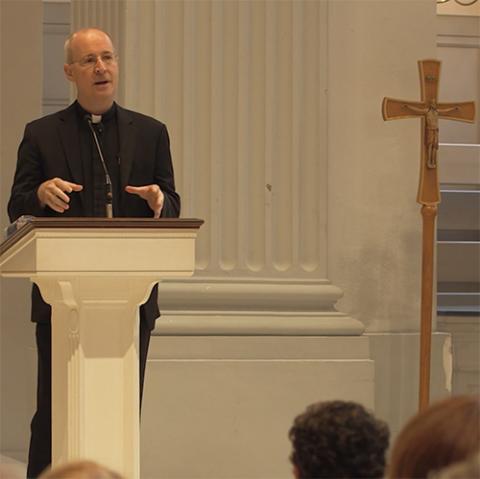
<point>89,61</point>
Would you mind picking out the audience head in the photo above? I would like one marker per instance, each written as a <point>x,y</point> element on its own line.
<point>338,439</point>
<point>80,470</point>
<point>446,432</point>
<point>468,469</point>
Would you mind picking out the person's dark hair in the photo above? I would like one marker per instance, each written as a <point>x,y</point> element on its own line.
<point>446,432</point>
<point>338,439</point>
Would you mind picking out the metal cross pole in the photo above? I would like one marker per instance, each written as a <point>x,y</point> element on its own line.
<point>428,190</point>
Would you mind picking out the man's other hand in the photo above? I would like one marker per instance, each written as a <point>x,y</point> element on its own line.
<point>152,194</point>
<point>53,193</point>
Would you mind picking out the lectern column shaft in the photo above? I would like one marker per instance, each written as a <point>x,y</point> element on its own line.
<point>95,369</point>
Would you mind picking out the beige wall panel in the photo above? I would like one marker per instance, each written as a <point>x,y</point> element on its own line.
<point>460,81</point>
<point>20,102</point>
<point>374,231</point>
<point>458,43</point>
<point>459,164</point>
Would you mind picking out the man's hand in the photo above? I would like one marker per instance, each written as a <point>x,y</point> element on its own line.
<point>152,194</point>
<point>52,193</point>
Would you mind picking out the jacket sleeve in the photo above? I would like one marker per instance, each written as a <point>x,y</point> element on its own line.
<point>28,177</point>
<point>164,176</point>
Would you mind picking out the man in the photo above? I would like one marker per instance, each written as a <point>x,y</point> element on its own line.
<point>338,439</point>
<point>60,173</point>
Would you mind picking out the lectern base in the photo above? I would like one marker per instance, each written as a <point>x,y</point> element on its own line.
<point>95,333</point>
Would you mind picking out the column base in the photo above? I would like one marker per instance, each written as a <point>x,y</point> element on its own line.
<point>210,306</point>
<point>222,406</point>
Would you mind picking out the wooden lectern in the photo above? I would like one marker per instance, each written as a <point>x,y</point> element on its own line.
<point>95,273</point>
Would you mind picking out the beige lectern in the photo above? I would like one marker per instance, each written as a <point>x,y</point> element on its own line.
<point>95,273</point>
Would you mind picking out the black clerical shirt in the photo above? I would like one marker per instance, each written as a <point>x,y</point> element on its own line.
<point>94,187</point>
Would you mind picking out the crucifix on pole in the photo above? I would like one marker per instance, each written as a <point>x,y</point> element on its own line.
<point>429,110</point>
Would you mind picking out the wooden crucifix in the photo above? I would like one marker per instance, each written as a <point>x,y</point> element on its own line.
<point>428,190</point>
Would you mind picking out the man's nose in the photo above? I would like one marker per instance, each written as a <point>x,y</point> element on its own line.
<point>100,65</point>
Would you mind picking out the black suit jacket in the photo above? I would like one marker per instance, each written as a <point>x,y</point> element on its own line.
<point>51,148</point>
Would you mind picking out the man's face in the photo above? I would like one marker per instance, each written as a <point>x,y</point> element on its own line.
<point>94,68</point>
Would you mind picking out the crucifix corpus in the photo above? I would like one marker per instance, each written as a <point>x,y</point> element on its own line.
<point>429,110</point>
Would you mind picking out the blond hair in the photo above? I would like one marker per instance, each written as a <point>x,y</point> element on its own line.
<point>446,432</point>
<point>80,470</point>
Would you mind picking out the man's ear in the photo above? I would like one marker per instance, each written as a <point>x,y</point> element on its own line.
<point>296,472</point>
<point>67,69</point>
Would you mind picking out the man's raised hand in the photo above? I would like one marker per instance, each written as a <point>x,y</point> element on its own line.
<point>53,193</point>
<point>152,194</point>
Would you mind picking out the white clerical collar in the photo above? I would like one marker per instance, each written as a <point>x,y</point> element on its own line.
<point>96,118</point>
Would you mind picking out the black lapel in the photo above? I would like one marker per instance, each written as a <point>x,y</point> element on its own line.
<point>69,135</point>
<point>127,133</point>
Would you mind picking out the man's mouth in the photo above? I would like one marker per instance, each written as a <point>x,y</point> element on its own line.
<point>101,82</point>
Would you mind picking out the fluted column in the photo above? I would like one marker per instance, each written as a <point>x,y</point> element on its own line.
<point>242,88</point>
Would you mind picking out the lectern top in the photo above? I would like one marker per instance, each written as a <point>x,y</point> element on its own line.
<point>100,223</point>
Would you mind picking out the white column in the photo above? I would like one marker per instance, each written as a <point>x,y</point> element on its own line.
<point>242,87</point>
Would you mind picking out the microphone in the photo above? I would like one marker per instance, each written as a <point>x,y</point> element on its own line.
<point>96,119</point>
